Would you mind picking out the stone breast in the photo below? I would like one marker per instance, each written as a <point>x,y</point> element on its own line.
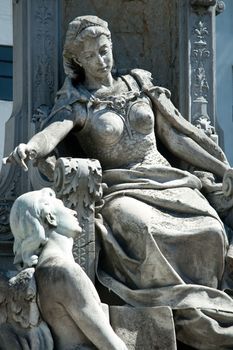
<point>141,117</point>
<point>119,136</point>
<point>109,126</point>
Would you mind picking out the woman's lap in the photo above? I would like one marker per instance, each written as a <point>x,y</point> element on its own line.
<point>154,236</point>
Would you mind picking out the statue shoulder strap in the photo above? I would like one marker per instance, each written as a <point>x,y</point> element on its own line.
<point>143,78</point>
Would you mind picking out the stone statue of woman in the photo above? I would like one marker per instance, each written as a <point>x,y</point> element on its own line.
<point>67,298</point>
<point>161,242</point>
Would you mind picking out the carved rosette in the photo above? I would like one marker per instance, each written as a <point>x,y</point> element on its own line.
<point>220,7</point>
<point>78,183</point>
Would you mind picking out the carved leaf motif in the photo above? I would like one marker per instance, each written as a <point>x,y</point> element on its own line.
<point>71,168</point>
<point>201,30</point>
<point>206,53</point>
<point>73,200</point>
<point>72,185</point>
<point>78,184</point>
<point>195,53</point>
<point>200,74</point>
<point>94,180</point>
<point>43,78</point>
<point>43,16</point>
<point>200,53</point>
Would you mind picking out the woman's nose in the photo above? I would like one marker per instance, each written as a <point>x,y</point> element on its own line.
<point>100,60</point>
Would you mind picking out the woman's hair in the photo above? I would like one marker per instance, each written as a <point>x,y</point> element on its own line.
<point>78,31</point>
<point>27,226</point>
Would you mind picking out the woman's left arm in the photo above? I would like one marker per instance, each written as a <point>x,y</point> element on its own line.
<point>185,148</point>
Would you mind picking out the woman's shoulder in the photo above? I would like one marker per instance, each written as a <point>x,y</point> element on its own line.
<point>142,76</point>
<point>136,78</point>
<point>70,103</point>
<point>70,94</point>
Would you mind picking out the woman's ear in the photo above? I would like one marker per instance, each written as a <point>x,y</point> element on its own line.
<point>51,220</point>
<point>77,61</point>
<point>47,216</point>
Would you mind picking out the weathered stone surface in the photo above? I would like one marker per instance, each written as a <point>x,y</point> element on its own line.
<point>157,232</point>
<point>144,328</point>
<point>21,327</point>
<point>78,183</point>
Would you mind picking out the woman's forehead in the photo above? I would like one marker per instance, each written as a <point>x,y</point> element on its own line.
<point>57,201</point>
<point>53,201</point>
<point>93,44</point>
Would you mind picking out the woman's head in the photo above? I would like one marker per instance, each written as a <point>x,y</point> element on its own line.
<point>86,37</point>
<point>32,217</point>
<point>26,221</point>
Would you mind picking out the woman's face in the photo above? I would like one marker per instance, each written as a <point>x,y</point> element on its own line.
<point>66,221</point>
<point>96,57</point>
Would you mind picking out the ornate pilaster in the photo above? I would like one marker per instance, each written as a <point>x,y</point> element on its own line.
<point>36,37</point>
<point>78,183</point>
<point>44,73</point>
<point>197,63</point>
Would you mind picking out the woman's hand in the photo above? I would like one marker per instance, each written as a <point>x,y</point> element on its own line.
<point>20,154</point>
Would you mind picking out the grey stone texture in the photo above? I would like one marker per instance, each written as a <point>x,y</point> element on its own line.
<point>156,231</point>
<point>145,197</point>
<point>153,35</point>
<point>21,326</point>
<point>78,183</point>
<point>144,328</point>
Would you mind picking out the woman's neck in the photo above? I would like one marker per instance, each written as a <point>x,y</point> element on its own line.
<point>57,245</point>
<point>93,83</point>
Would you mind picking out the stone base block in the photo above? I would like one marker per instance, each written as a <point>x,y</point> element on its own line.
<point>144,328</point>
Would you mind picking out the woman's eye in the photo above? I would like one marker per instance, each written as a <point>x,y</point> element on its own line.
<point>88,57</point>
<point>104,52</point>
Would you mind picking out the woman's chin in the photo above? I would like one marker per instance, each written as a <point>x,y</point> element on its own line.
<point>79,230</point>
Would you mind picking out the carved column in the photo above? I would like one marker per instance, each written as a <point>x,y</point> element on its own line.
<point>78,183</point>
<point>37,47</point>
<point>197,62</point>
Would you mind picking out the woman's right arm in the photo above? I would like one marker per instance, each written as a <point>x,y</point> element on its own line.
<point>42,143</point>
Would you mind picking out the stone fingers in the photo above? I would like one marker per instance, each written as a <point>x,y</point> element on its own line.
<point>18,156</point>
